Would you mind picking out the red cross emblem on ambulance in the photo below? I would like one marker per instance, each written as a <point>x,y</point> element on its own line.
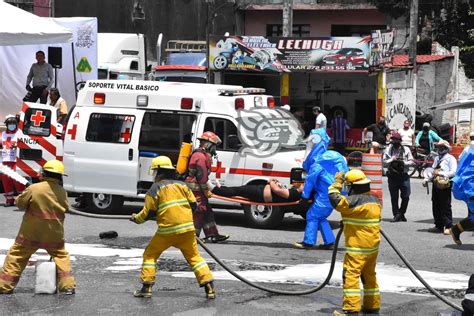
<point>38,118</point>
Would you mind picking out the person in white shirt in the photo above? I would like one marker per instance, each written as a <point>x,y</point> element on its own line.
<point>444,165</point>
<point>321,121</point>
<point>59,103</point>
<point>408,134</point>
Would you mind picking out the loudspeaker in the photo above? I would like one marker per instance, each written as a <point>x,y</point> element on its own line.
<point>55,57</point>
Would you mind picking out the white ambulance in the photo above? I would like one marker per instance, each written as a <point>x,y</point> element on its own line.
<point>117,127</point>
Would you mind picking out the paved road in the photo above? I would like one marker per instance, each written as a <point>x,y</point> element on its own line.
<point>107,270</point>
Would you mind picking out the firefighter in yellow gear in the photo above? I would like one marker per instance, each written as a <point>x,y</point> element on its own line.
<point>361,214</point>
<point>45,204</point>
<point>173,204</point>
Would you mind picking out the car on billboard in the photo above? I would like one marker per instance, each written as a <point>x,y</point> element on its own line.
<point>349,57</point>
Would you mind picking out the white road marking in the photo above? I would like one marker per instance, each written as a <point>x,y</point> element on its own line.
<point>391,278</point>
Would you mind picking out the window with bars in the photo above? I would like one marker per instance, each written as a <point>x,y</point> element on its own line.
<point>354,30</point>
<point>299,30</point>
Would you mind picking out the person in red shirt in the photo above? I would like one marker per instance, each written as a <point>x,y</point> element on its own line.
<point>197,180</point>
<point>9,154</point>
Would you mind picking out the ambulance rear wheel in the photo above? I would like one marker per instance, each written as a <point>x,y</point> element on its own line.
<point>103,203</point>
<point>261,216</point>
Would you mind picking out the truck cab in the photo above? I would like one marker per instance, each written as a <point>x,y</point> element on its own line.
<point>121,56</point>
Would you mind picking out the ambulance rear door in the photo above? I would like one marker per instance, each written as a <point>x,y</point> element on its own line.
<point>38,138</point>
<point>101,151</point>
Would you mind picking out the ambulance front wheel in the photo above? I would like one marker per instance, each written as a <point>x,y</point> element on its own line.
<point>261,216</point>
<point>103,203</point>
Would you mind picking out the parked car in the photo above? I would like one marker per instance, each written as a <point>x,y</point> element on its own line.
<point>348,57</point>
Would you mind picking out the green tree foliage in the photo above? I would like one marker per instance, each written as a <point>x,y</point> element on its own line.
<point>448,22</point>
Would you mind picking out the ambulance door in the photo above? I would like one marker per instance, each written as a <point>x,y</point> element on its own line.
<point>101,153</point>
<point>38,138</point>
<point>229,166</point>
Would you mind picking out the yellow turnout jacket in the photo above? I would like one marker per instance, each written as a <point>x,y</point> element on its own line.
<point>169,199</point>
<point>45,204</point>
<point>361,214</point>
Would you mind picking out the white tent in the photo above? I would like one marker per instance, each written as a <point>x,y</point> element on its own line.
<point>18,27</point>
<point>23,33</point>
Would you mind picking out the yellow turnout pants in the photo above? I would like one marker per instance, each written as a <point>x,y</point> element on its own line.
<point>17,259</point>
<point>357,266</point>
<point>186,242</point>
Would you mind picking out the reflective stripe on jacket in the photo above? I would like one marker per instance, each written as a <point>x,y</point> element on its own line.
<point>361,214</point>
<point>45,204</point>
<point>169,199</point>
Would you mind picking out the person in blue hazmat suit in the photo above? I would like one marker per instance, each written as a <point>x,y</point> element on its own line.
<point>463,189</point>
<point>321,165</point>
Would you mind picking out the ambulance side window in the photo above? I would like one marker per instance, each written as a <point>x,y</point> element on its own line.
<point>163,133</point>
<point>227,132</point>
<point>37,122</point>
<point>110,128</point>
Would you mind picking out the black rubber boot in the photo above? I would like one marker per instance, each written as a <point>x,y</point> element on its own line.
<point>145,291</point>
<point>210,291</point>
<point>456,231</point>
<point>217,238</point>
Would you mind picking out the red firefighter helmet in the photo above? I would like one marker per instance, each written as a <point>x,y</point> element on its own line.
<point>210,137</point>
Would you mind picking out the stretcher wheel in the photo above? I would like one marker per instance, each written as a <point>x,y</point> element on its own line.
<point>262,216</point>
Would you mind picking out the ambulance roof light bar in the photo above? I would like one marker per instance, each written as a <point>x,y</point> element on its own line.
<point>240,91</point>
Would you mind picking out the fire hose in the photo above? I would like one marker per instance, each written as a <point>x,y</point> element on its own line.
<point>19,178</point>
<point>301,292</point>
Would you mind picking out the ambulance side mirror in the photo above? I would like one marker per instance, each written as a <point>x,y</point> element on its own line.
<point>233,142</point>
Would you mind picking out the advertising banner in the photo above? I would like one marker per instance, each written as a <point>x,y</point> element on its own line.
<point>381,47</point>
<point>284,54</point>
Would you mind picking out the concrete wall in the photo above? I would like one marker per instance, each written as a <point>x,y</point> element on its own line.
<point>320,21</point>
<point>176,19</point>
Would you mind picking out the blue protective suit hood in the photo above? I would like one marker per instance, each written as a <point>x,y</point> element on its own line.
<point>463,182</point>
<point>321,140</point>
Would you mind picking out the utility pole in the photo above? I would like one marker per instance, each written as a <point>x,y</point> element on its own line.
<point>413,33</point>
<point>287,18</point>
<point>287,32</point>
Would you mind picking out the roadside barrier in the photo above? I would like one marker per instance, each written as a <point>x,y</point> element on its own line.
<point>302,292</point>
<point>372,167</point>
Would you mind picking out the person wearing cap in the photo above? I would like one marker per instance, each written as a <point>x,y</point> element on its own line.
<point>443,170</point>
<point>9,150</point>
<point>173,204</point>
<point>426,138</point>
<point>361,215</point>
<point>398,159</point>
<point>380,131</point>
<point>197,180</point>
<point>45,204</point>
<point>321,120</point>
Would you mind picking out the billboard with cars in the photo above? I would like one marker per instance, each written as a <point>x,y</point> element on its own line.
<point>287,54</point>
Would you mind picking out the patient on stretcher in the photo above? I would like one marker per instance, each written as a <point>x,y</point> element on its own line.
<point>272,192</point>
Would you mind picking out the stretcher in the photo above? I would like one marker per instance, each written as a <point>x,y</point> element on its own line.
<point>242,200</point>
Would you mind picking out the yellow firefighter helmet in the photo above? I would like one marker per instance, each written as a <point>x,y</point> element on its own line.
<point>54,166</point>
<point>161,162</point>
<point>356,176</point>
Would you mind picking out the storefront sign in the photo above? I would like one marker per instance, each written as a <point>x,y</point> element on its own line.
<point>284,54</point>
<point>400,106</point>
<point>381,47</point>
